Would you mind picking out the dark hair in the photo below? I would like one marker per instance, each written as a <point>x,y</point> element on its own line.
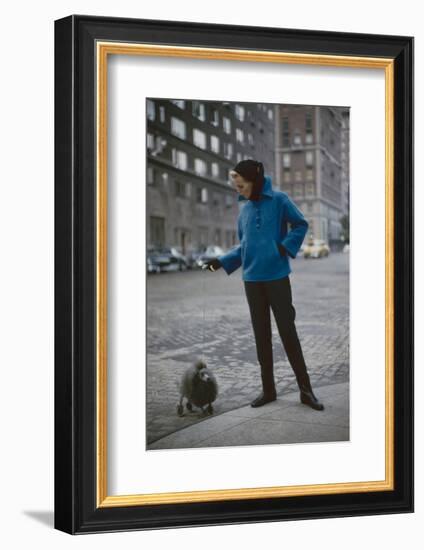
<point>253,171</point>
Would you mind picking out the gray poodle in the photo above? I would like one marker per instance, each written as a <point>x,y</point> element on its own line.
<point>199,387</point>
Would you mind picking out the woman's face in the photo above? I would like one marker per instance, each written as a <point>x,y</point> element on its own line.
<point>242,186</point>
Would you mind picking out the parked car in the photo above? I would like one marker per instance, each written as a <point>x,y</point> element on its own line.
<point>316,248</point>
<point>193,255</point>
<point>172,259</point>
<point>178,257</point>
<point>157,261</point>
<point>152,265</point>
<point>210,253</point>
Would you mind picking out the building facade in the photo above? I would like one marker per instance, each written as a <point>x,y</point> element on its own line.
<point>309,165</point>
<point>191,147</point>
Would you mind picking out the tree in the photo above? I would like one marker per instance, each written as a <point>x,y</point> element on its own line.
<point>344,220</point>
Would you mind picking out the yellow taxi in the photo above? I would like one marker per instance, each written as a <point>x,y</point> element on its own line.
<point>315,248</point>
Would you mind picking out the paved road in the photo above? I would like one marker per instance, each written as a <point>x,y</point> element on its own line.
<point>203,315</point>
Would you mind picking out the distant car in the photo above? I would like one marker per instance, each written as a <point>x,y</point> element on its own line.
<point>179,257</point>
<point>192,257</point>
<point>315,248</point>
<point>210,253</point>
<point>152,265</point>
<point>157,260</point>
<point>177,261</point>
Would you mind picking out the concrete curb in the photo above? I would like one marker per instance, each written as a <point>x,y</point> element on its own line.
<point>281,422</point>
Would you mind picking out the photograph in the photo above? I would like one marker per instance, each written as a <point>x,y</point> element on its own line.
<point>233,274</point>
<point>247,259</point>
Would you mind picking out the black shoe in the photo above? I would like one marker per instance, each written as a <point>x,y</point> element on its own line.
<point>308,398</point>
<point>263,400</point>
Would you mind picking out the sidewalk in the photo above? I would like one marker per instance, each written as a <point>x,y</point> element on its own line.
<point>283,421</point>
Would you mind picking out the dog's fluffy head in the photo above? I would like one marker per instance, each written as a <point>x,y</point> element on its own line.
<point>203,373</point>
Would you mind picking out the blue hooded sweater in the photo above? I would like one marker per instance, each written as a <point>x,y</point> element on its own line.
<point>262,226</point>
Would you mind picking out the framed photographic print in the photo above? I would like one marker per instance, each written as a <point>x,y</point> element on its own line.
<point>233,274</point>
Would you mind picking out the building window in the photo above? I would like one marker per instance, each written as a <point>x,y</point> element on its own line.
<point>286,132</point>
<point>298,190</point>
<point>250,139</point>
<point>202,195</point>
<point>228,150</point>
<point>297,139</point>
<point>240,112</point>
<point>309,174</point>
<point>199,110</point>
<point>310,189</point>
<point>228,238</point>
<point>270,114</point>
<point>308,127</point>
<point>239,157</point>
<point>298,175</point>
<point>215,144</point>
<point>179,159</point>
<point>229,201</point>
<point>179,103</point>
<point>199,138</point>
<point>309,158</point>
<point>214,117</point>
<point>226,122</point>
<point>180,189</point>
<point>286,160</point>
<point>162,113</point>
<point>150,141</point>
<point>157,231</point>
<point>150,109</point>
<point>217,237</point>
<point>200,167</point>
<point>178,127</point>
<point>215,169</point>
<point>239,135</point>
<point>150,175</point>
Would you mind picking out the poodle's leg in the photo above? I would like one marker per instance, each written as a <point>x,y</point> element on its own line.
<point>189,405</point>
<point>180,408</point>
<point>210,408</point>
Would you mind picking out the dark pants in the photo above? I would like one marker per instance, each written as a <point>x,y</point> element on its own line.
<point>276,295</point>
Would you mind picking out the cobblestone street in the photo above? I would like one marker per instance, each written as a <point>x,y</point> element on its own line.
<point>203,315</point>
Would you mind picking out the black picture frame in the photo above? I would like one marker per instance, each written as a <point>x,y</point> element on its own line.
<point>76,509</point>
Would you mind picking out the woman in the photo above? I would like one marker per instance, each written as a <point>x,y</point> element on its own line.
<point>263,252</point>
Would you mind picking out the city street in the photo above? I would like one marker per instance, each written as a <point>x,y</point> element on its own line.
<point>198,314</point>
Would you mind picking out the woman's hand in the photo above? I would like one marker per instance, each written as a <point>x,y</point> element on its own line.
<point>282,250</point>
<point>212,265</point>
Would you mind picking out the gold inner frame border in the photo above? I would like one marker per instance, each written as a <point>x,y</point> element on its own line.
<point>103,50</point>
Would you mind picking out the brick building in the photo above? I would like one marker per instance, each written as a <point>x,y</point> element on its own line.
<point>191,146</point>
<point>309,142</point>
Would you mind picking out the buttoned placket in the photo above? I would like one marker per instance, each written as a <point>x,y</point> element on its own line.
<point>257,214</point>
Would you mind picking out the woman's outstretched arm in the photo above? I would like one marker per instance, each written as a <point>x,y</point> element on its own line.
<point>232,259</point>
